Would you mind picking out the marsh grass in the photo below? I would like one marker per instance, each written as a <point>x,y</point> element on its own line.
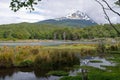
<point>55,59</point>
<point>71,78</point>
<point>43,57</point>
<point>58,73</point>
<point>114,48</point>
<point>51,56</point>
<point>6,57</point>
<point>96,61</point>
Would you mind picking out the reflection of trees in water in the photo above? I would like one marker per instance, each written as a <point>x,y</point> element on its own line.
<point>11,71</point>
<point>25,69</point>
<point>6,72</point>
<point>40,73</point>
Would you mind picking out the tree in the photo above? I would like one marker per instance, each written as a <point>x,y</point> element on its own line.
<point>18,4</point>
<point>117,2</point>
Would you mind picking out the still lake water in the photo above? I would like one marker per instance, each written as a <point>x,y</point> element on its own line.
<point>24,74</point>
<point>49,43</point>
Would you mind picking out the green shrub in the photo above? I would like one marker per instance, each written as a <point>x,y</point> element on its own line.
<point>26,63</point>
<point>96,61</point>
<point>58,73</point>
<point>101,48</point>
<point>71,78</point>
<point>104,76</point>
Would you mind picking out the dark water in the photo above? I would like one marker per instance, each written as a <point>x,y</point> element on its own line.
<point>25,74</point>
<point>31,74</point>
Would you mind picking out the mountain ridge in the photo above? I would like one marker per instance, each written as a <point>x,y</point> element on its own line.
<point>76,19</point>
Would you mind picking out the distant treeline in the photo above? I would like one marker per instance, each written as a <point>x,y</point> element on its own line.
<point>47,31</point>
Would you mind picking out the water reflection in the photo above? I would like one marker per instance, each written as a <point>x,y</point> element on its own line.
<point>36,74</point>
<point>6,72</point>
<point>25,74</point>
<point>86,61</point>
<point>49,43</point>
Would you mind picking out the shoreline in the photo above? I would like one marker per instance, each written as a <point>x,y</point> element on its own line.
<point>26,41</point>
<point>47,40</point>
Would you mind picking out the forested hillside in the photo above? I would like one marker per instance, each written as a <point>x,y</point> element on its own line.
<point>47,31</point>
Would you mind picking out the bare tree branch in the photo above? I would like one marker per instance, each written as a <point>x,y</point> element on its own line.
<point>107,17</point>
<point>111,8</point>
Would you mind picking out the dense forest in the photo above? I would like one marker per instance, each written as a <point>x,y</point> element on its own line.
<point>48,31</point>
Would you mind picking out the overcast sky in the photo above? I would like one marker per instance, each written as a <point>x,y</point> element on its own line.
<point>48,9</point>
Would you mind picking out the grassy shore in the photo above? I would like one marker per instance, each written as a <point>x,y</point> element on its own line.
<point>27,56</point>
<point>27,41</point>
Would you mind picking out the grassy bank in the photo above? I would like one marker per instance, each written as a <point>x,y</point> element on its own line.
<point>50,57</point>
<point>43,57</point>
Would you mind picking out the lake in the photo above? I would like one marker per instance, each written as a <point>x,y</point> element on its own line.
<point>49,43</point>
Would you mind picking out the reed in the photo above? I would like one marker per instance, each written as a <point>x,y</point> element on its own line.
<point>52,57</point>
<point>55,59</point>
<point>6,57</point>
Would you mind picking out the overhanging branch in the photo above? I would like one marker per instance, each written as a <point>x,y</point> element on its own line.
<point>111,8</point>
<point>107,17</point>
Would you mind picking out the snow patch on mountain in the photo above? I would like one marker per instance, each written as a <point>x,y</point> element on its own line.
<point>76,15</point>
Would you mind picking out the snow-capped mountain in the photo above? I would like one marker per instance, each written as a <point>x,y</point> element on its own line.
<point>76,19</point>
<point>77,15</point>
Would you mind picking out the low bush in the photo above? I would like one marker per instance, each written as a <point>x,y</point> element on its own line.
<point>58,73</point>
<point>26,63</point>
<point>96,61</point>
<point>71,78</point>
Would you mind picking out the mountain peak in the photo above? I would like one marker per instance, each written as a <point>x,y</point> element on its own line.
<point>78,15</point>
<point>78,19</point>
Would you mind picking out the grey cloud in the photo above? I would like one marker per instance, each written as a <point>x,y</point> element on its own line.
<point>58,8</point>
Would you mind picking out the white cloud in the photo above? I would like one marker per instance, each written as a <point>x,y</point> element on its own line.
<point>53,9</point>
<point>7,16</point>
